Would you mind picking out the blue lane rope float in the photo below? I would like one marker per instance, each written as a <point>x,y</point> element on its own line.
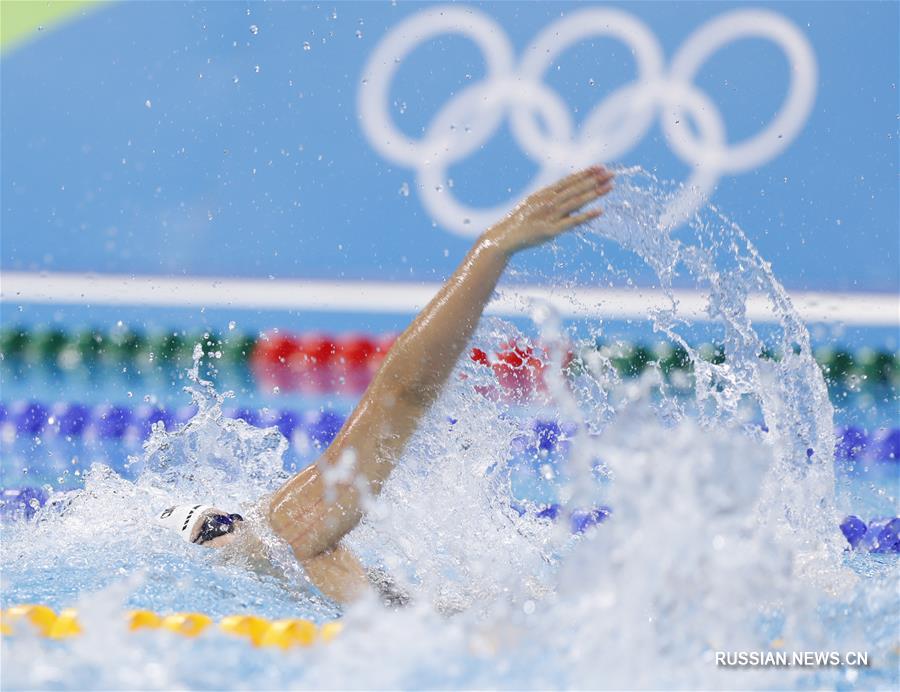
<point>580,520</point>
<point>116,422</point>
<point>21,503</point>
<point>312,429</point>
<point>880,535</point>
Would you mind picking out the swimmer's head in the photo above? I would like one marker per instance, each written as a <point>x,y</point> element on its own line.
<point>200,524</point>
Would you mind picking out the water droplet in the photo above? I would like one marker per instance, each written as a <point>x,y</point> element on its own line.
<point>404,189</point>
<point>276,390</point>
<point>306,46</point>
<point>232,325</point>
<point>359,34</point>
<point>254,29</point>
<point>148,103</point>
<point>256,69</point>
<point>235,79</point>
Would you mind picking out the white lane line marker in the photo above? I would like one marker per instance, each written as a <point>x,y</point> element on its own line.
<point>872,309</point>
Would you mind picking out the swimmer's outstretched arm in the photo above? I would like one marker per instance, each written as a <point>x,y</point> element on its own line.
<point>366,449</point>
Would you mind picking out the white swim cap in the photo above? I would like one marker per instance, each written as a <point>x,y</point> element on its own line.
<point>182,518</point>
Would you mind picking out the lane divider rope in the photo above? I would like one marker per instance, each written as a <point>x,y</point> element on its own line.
<point>346,362</point>
<point>260,632</point>
<point>307,430</point>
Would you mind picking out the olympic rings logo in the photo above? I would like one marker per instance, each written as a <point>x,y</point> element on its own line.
<point>614,126</point>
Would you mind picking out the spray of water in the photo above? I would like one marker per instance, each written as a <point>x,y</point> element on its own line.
<point>722,535</point>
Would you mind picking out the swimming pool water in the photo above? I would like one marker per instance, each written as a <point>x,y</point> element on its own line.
<point>723,535</point>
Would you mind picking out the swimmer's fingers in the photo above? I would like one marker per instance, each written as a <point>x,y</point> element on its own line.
<point>545,214</point>
<point>600,177</point>
<point>561,186</point>
<point>578,219</point>
<point>578,201</point>
<point>585,176</point>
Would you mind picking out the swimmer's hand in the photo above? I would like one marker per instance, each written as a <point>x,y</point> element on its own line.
<point>547,213</point>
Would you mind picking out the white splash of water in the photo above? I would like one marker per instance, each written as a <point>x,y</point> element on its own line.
<point>723,534</point>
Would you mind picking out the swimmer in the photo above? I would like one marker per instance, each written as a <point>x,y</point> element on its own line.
<point>317,507</point>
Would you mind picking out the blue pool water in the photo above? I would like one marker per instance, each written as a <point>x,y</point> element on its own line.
<point>723,536</point>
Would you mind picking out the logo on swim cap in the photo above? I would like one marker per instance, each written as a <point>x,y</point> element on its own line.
<point>182,518</point>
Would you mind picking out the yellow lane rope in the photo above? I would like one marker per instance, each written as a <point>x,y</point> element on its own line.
<point>284,634</point>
